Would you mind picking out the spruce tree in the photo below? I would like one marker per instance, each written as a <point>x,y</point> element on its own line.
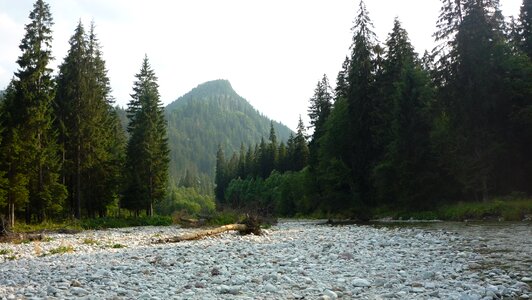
<point>300,155</point>
<point>220,180</point>
<point>319,110</point>
<point>29,116</point>
<point>362,107</point>
<point>525,28</point>
<point>405,175</point>
<point>147,149</point>
<point>71,107</point>
<point>90,132</point>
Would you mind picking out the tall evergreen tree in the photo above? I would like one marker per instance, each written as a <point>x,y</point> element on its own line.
<point>525,28</point>
<point>220,180</point>
<point>147,149</point>
<point>88,126</point>
<point>404,176</point>
<point>362,107</point>
<point>71,106</point>
<point>342,82</point>
<point>319,110</point>
<point>29,117</point>
<point>300,154</point>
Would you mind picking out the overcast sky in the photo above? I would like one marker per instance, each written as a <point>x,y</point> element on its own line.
<point>272,51</point>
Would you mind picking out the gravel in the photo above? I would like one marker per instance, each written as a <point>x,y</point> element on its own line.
<point>293,260</point>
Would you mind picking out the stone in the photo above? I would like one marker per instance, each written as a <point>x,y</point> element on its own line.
<point>270,288</point>
<point>233,290</point>
<point>78,291</point>
<point>330,294</point>
<point>360,282</point>
<point>51,291</point>
<point>526,279</point>
<point>75,283</point>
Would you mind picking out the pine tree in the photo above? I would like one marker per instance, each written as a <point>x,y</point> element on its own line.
<point>342,82</point>
<point>29,117</point>
<point>319,110</point>
<point>405,173</point>
<point>72,90</point>
<point>272,149</point>
<point>300,156</point>
<point>362,107</point>
<point>221,178</point>
<point>147,149</point>
<point>525,28</point>
<point>91,134</point>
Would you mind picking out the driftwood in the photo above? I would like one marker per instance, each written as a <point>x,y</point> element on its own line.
<point>248,226</point>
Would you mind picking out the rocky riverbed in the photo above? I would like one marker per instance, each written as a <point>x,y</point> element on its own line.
<point>293,260</point>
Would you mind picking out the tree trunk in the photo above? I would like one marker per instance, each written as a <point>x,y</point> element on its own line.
<point>78,181</point>
<point>204,233</point>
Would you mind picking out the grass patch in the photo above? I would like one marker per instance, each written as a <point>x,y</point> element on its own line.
<point>62,249</point>
<point>104,223</point>
<point>90,242</point>
<point>508,210</point>
<point>118,246</point>
<point>5,251</point>
<point>498,209</point>
<point>46,226</point>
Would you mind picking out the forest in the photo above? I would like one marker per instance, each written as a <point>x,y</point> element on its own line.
<point>399,130</point>
<point>403,131</point>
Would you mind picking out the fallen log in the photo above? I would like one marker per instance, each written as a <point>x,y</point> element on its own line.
<point>201,234</point>
<point>248,226</point>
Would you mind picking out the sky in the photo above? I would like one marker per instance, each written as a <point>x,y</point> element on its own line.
<point>273,52</point>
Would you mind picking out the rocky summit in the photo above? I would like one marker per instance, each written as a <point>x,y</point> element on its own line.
<point>292,260</point>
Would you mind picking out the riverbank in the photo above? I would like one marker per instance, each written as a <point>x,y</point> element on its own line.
<point>294,259</point>
<point>495,210</point>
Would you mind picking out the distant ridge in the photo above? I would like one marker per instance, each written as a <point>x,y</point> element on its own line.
<point>209,115</point>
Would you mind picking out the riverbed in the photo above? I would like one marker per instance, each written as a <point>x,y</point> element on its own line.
<point>292,260</point>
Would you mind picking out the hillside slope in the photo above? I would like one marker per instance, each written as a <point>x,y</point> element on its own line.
<point>209,115</point>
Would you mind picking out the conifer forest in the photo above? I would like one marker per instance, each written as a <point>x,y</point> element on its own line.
<point>393,130</point>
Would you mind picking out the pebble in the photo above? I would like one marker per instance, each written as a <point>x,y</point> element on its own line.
<point>359,282</point>
<point>295,260</point>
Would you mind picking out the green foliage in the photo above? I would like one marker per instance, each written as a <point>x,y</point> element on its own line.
<point>90,133</point>
<point>29,142</point>
<point>108,222</point>
<point>147,149</point>
<point>188,200</point>
<point>62,250</point>
<point>90,241</point>
<point>279,194</point>
<point>508,210</point>
<point>5,251</point>
<point>225,217</point>
<point>209,116</point>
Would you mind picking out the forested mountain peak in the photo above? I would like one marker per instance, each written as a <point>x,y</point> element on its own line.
<point>219,89</point>
<point>209,115</point>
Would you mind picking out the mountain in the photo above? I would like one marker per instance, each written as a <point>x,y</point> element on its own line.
<point>209,115</point>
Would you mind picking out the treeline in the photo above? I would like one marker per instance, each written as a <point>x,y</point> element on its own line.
<point>63,150</point>
<point>406,132</point>
<point>255,164</point>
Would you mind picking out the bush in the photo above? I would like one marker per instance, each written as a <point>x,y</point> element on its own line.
<point>188,200</point>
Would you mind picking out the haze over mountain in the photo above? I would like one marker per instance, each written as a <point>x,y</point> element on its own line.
<point>209,115</point>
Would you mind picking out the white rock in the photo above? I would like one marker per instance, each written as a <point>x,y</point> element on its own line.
<point>360,282</point>
<point>330,294</point>
<point>270,288</point>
